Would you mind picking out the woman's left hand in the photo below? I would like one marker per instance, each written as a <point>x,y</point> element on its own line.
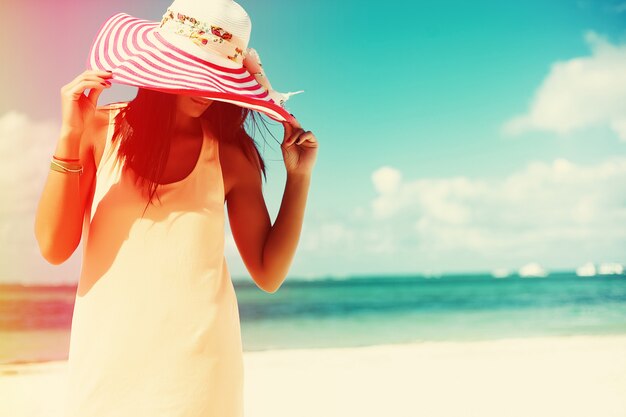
<point>299,149</point>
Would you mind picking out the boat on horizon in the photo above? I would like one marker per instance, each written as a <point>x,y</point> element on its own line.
<point>586,270</point>
<point>611,268</point>
<point>532,270</point>
<point>500,273</point>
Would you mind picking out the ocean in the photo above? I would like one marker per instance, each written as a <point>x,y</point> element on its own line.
<point>359,311</point>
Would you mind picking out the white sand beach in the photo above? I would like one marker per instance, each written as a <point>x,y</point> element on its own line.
<point>551,377</point>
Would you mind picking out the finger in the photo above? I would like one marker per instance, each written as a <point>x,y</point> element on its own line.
<point>93,95</point>
<point>290,132</point>
<point>295,124</point>
<point>288,129</point>
<point>97,73</point>
<point>72,86</point>
<point>292,123</point>
<point>306,137</point>
<point>96,78</point>
<point>81,87</point>
<point>91,73</point>
<point>295,121</point>
<point>78,90</point>
<point>89,76</point>
<point>308,140</point>
<point>292,139</point>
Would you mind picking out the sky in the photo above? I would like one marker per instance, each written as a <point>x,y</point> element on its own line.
<point>454,136</point>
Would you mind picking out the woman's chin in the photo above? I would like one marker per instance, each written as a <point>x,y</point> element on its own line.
<point>193,106</point>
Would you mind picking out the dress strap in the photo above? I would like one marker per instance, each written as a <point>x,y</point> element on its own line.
<point>113,110</point>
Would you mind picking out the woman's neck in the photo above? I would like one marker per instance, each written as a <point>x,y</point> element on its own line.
<point>184,124</point>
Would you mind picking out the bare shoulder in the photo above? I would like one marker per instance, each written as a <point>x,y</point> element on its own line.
<point>238,169</point>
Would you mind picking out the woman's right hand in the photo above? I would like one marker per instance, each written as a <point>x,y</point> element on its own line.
<point>77,109</point>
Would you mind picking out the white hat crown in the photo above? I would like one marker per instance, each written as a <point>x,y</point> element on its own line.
<point>217,31</point>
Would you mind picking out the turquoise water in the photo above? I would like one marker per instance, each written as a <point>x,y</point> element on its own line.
<point>35,321</point>
<point>366,311</point>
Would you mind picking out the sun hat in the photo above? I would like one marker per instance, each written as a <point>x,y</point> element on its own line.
<point>199,48</point>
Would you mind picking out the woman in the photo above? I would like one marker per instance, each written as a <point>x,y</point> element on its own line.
<point>156,327</point>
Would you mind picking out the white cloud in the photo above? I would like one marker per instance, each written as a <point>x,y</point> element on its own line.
<point>542,205</point>
<point>558,213</point>
<point>555,213</point>
<point>386,179</point>
<point>25,148</point>
<point>581,92</point>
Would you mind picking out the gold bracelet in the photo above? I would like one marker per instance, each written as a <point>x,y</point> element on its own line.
<point>60,168</point>
<point>65,164</point>
<point>67,161</point>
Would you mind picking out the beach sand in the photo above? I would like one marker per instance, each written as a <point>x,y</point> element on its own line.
<point>556,376</point>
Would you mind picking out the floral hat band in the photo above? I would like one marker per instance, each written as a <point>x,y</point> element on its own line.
<point>214,39</point>
<point>208,36</point>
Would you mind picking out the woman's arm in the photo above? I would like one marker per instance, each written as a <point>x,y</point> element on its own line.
<point>59,216</point>
<point>282,241</point>
<point>268,250</point>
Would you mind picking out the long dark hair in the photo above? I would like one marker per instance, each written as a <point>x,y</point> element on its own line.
<point>145,127</point>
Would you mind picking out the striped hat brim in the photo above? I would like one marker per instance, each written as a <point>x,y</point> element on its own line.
<point>139,56</point>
